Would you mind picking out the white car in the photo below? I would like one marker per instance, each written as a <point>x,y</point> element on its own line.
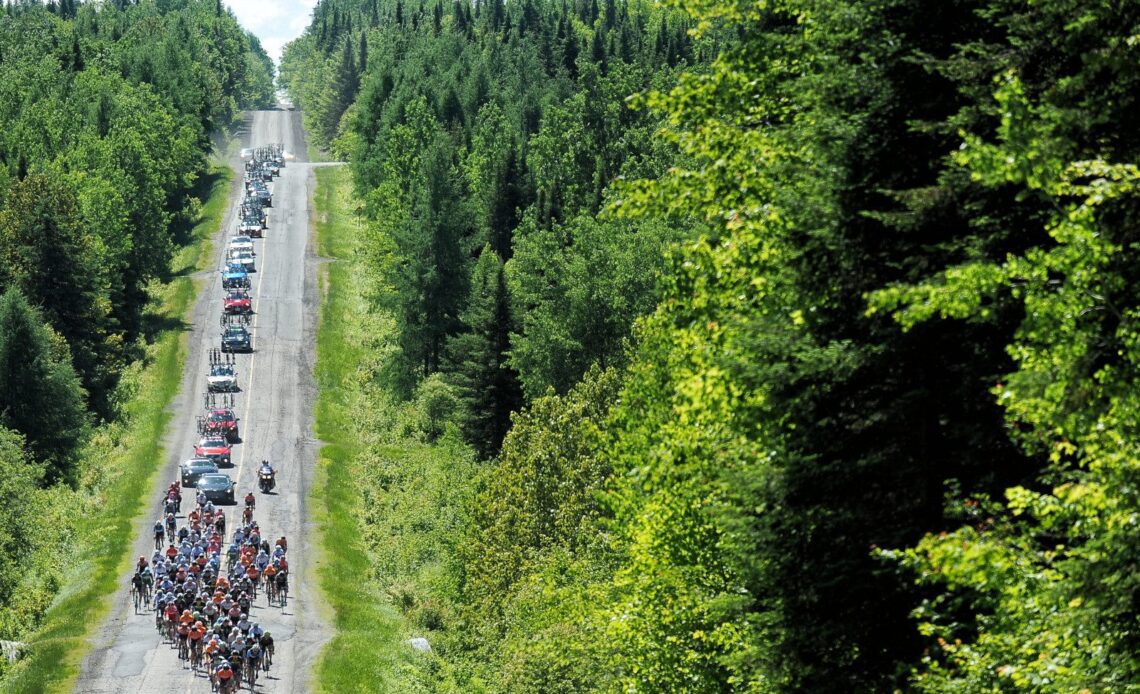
<point>222,379</point>
<point>243,258</point>
<point>241,243</point>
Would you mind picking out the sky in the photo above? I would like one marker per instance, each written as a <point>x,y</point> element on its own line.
<point>275,22</point>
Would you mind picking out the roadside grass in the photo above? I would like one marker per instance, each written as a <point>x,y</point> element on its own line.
<point>124,459</point>
<point>366,648</point>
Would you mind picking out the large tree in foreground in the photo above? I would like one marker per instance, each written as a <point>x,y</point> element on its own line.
<point>40,395</point>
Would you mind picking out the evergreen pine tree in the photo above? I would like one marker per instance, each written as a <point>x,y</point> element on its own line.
<point>40,395</point>
<point>477,358</point>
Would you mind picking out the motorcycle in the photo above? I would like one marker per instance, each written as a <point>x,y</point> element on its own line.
<point>266,482</point>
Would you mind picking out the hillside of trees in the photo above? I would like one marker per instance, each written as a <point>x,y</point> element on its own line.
<point>814,318</point>
<point>106,116</point>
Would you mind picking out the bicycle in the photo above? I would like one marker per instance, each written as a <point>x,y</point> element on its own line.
<point>270,591</point>
<point>196,654</point>
<point>266,656</point>
<point>251,672</point>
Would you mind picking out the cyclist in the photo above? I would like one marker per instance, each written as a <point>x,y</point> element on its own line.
<point>170,614</point>
<point>159,533</point>
<point>224,674</point>
<point>252,658</point>
<point>197,633</point>
<point>250,501</point>
<point>175,492</point>
<point>137,588</point>
<point>266,642</point>
<point>262,560</point>
<point>282,579</point>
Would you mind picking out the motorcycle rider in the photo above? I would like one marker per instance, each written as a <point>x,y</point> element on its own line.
<point>267,469</point>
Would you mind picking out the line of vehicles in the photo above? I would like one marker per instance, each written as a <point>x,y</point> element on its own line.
<point>218,425</point>
<point>204,584</point>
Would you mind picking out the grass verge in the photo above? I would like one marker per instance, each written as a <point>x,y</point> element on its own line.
<point>366,646</point>
<point>129,454</point>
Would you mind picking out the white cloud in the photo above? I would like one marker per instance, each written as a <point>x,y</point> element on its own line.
<point>274,22</point>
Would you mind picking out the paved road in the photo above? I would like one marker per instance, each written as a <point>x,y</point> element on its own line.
<point>275,409</point>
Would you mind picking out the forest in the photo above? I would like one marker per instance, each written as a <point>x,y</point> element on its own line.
<point>725,346</point>
<point>108,115</point>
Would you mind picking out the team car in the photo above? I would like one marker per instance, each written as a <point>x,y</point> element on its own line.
<point>259,192</point>
<point>221,379</point>
<point>216,448</point>
<point>244,258</point>
<point>217,486</point>
<point>235,338</point>
<point>251,224</point>
<point>219,421</point>
<point>191,470</point>
<point>241,243</point>
<point>237,301</point>
<point>235,277</point>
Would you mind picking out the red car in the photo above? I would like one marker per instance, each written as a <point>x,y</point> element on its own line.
<point>220,422</point>
<point>237,302</point>
<point>216,448</point>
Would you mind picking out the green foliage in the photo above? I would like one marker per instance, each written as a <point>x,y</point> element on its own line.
<point>59,604</point>
<point>106,115</point>
<point>106,122</point>
<point>488,386</point>
<point>536,548</point>
<point>583,284</point>
<point>1045,575</point>
<point>40,395</point>
<point>865,268</point>
<point>20,536</point>
<point>386,501</point>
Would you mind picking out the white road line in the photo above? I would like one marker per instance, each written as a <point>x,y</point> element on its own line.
<point>252,357</point>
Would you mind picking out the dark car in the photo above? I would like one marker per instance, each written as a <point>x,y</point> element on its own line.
<point>236,339</point>
<point>262,195</point>
<point>251,224</point>
<point>217,487</point>
<point>251,208</point>
<point>193,469</point>
<point>215,448</point>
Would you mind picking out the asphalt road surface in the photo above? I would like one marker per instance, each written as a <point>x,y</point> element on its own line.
<point>275,407</point>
